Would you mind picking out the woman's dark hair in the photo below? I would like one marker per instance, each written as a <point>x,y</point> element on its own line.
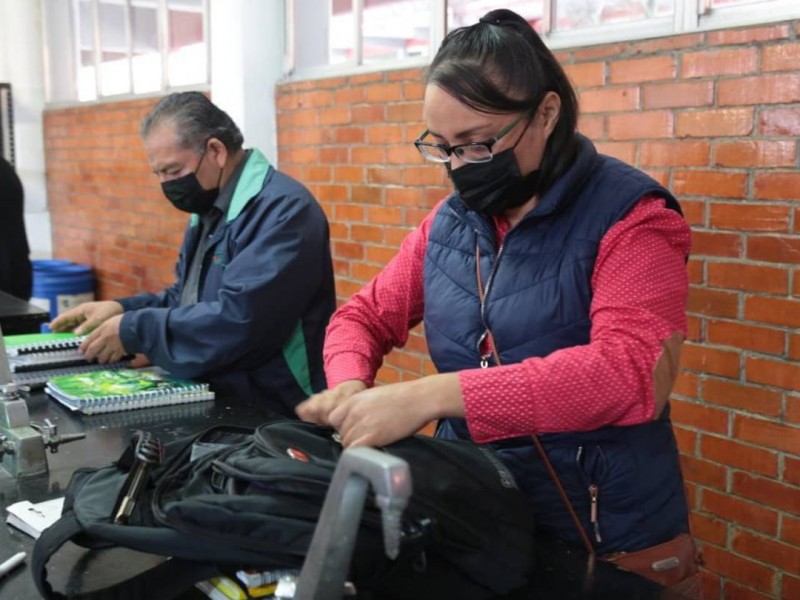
<point>196,120</point>
<point>501,65</point>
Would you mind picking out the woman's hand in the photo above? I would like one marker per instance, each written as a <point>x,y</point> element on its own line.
<point>385,414</point>
<point>317,408</point>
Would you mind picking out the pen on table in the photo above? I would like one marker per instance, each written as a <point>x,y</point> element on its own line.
<point>11,563</point>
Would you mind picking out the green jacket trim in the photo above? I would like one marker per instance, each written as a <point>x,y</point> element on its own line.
<point>296,355</point>
<point>250,184</point>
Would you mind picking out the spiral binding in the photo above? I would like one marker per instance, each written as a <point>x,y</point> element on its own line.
<point>180,393</point>
<point>45,347</point>
<point>39,360</point>
<point>38,378</point>
<point>148,416</point>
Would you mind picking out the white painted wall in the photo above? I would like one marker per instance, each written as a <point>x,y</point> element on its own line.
<point>21,65</point>
<point>247,60</point>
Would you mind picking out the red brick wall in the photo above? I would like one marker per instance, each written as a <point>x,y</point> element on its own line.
<point>106,206</point>
<point>715,116</point>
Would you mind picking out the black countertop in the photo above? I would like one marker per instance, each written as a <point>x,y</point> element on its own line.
<point>18,316</point>
<point>561,572</point>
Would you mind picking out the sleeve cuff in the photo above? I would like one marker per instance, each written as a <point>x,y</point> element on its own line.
<point>346,367</point>
<point>127,332</point>
<point>497,402</point>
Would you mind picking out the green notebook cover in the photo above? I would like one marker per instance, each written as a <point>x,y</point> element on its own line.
<point>124,389</point>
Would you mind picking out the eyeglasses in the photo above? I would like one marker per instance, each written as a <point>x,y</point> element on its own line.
<point>472,152</point>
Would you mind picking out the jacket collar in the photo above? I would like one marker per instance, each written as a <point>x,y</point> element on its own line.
<point>251,182</point>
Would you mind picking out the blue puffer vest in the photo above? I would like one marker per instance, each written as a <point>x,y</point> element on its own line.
<point>537,301</point>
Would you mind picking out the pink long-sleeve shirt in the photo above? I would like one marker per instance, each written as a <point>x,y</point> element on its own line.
<point>639,287</point>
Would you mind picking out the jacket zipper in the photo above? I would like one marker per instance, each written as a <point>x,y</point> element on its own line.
<point>484,357</point>
<point>594,490</point>
<point>594,493</point>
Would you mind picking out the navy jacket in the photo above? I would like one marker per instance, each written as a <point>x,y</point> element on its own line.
<point>537,301</point>
<point>266,294</point>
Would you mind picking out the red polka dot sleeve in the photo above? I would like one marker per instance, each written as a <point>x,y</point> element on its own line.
<point>639,286</point>
<point>378,317</point>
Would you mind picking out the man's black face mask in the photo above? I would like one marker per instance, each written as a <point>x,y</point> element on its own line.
<point>186,193</point>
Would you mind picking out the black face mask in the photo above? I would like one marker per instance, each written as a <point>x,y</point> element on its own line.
<point>495,186</point>
<point>188,195</point>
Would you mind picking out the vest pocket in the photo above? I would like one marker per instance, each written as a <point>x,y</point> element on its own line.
<point>590,482</point>
<point>599,479</point>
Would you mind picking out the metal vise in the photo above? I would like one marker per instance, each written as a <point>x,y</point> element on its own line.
<point>22,443</point>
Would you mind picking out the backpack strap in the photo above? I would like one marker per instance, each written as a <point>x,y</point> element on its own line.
<point>164,581</point>
<point>50,540</point>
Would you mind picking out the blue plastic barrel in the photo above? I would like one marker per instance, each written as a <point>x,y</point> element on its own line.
<point>59,285</point>
<point>51,264</point>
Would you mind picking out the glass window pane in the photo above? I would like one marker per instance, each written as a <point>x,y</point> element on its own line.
<point>342,27</point>
<point>187,48</point>
<point>462,13</point>
<point>724,3</point>
<point>114,67</point>
<point>146,57</point>
<point>395,29</point>
<point>576,14</point>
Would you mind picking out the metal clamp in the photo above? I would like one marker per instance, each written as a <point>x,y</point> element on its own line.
<point>50,436</point>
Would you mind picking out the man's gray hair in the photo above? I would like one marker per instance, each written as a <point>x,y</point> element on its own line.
<point>196,120</point>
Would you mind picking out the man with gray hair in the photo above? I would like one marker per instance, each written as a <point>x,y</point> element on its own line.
<point>254,287</point>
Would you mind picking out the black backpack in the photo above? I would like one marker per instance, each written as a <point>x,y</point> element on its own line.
<point>253,498</point>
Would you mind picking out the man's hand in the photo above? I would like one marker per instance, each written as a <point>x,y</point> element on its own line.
<point>86,317</point>
<point>138,361</point>
<point>103,344</point>
<point>319,406</point>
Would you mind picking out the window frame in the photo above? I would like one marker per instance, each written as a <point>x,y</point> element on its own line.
<point>162,30</point>
<point>438,22</point>
<point>690,16</point>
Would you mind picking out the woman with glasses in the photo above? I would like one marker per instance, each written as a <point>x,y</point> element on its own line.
<point>552,287</point>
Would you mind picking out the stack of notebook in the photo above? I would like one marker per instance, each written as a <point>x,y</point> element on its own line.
<point>124,389</point>
<point>35,358</point>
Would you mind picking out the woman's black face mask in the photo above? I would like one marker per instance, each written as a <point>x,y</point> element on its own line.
<point>495,186</point>
<point>186,193</point>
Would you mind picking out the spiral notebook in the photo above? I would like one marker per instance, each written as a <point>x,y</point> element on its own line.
<point>114,390</point>
<point>35,358</point>
<point>32,343</point>
<point>43,350</point>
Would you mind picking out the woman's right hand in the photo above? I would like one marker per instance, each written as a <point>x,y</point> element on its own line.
<point>317,408</point>
<point>86,317</point>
